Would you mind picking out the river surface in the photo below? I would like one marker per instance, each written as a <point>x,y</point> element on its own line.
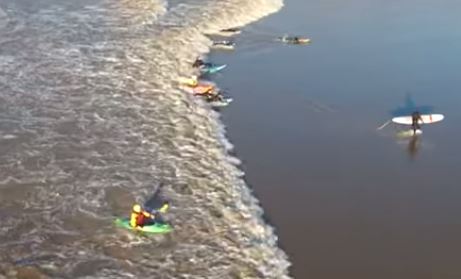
<point>349,201</point>
<point>92,120</point>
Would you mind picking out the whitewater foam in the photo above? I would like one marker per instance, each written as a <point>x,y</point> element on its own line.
<point>91,97</point>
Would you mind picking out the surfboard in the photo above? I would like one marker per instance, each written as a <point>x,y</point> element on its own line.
<point>222,103</point>
<point>292,40</point>
<point>228,45</point>
<point>427,119</point>
<point>212,69</point>
<point>225,47</point>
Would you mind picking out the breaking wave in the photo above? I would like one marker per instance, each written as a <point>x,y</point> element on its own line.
<point>91,120</point>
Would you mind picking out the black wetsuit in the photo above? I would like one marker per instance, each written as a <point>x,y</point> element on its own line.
<point>198,63</point>
<point>415,117</point>
<point>214,97</point>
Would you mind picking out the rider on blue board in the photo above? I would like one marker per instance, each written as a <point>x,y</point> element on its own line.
<point>198,62</point>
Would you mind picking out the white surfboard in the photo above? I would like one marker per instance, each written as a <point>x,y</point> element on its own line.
<point>223,103</point>
<point>427,119</point>
<point>226,47</point>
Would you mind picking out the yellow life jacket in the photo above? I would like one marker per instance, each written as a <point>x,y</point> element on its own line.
<point>136,217</point>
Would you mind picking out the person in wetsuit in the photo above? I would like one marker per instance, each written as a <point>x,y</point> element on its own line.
<point>197,63</point>
<point>415,119</point>
<point>214,98</point>
<point>140,218</point>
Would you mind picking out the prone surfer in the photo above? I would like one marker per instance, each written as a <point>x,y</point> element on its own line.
<point>214,97</point>
<point>198,62</point>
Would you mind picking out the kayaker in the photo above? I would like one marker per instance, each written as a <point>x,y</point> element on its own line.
<point>415,118</point>
<point>140,217</point>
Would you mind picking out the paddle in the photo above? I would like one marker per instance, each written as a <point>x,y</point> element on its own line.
<point>157,212</point>
<point>163,209</point>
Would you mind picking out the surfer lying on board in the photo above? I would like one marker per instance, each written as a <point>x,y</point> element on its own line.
<point>214,97</point>
<point>415,118</point>
<point>139,217</point>
<point>200,63</point>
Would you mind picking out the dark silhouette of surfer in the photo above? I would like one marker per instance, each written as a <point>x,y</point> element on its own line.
<point>415,118</point>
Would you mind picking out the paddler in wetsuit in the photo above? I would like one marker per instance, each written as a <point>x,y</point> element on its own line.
<point>214,98</point>
<point>198,62</point>
<point>139,217</point>
<point>415,118</point>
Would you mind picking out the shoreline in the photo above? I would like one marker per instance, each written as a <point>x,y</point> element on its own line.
<point>231,150</point>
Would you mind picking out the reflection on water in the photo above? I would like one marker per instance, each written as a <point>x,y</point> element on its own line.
<point>413,147</point>
<point>410,140</point>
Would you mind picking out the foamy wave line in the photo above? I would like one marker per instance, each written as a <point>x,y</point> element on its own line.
<point>220,15</point>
